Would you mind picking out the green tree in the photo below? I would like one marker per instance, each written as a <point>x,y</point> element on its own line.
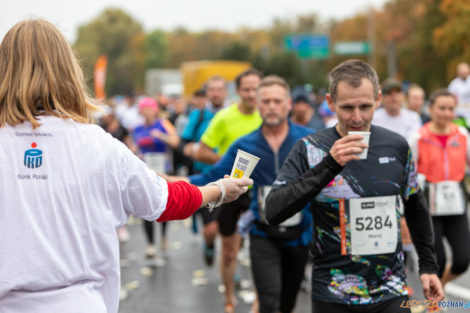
<point>418,60</point>
<point>156,49</point>
<point>285,64</point>
<point>112,33</point>
<point>236,51</point>
<point>451,37</point>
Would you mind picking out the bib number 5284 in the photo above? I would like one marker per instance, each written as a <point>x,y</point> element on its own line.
<point>373,223</point>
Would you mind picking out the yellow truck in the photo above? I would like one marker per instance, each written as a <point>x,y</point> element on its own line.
<point>196,73</point>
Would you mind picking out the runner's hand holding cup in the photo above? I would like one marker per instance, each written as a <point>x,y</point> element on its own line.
<point>354,146</point>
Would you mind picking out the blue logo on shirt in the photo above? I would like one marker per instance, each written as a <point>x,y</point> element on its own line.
<point>33,157</point>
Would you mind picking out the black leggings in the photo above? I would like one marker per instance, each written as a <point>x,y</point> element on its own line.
<point>455,229</point>
<point>278,271</point>
<point>148,228</point>
<point>388,306</point>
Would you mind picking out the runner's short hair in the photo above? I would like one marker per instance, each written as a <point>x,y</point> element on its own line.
<point>246,73</point>
<point>199,93</point>
<point>352,72</point>
<point>272,80</point>
<point>443,92</point>
<point>414,86</point>
<point>215,78</point>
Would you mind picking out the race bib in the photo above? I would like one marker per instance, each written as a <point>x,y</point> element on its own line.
<point>373,225</point>
<point>263,192</point>
<point>156,161</point>
<point>446,198</point>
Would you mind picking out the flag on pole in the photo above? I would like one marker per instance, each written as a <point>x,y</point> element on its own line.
<point>99,77</point>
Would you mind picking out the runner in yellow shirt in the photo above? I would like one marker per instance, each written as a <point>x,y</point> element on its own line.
<point>228,125</point>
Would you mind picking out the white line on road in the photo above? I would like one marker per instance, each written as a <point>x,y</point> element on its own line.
<point>458,291</point>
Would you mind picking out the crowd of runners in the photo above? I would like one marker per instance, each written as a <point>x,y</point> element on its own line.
<point>351,179</point>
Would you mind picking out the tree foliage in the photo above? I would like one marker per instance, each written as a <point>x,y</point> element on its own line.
<point>451,39</point>
<point>156,49</point>
<point>430,37</point>
<point>112,33</point>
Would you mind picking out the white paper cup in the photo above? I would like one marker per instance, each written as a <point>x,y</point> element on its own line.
<point>244,164</point>
<point>365,139</point>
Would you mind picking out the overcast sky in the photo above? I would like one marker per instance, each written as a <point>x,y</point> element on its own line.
<point>192,14</point>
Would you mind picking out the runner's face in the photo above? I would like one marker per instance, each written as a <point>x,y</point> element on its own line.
<point>199,102</point>
<point>443,110</point>
<point>148,113</point>
<point>354,107</point>
<point>216,92</point>
<point>247,90</point>
<point>301,109</point>
<point>463,70</point>
<point>274,104</point>
<point>415,99</point>
<point>393,100</point>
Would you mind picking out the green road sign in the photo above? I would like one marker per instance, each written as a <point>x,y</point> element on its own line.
<point>352,48</point>
<point>308,46</point>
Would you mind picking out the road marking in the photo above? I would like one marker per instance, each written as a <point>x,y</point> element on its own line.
<point>457,291</point>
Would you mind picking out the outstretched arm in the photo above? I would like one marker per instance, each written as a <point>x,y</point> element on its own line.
<point>184,199</point>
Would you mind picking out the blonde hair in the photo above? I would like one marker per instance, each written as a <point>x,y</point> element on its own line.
<point>40,76</point>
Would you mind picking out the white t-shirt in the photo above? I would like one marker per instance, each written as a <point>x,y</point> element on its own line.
<point>405,124</point>
<point>461,89</point>
<point>64,189</point>
<point>129,116</point>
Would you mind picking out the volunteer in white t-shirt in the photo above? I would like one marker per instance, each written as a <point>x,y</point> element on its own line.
<point>66,185</point>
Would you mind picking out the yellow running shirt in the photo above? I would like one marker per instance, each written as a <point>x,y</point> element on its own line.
<point>228,125</point>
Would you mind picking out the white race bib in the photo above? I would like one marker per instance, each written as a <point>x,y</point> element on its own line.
<point>263,192</point>
<point>373,225</point>
<point>156,161</point>
<point>446,198</point>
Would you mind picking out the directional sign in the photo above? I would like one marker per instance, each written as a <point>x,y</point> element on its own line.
<point>311,46</point>
<point>352,47</point>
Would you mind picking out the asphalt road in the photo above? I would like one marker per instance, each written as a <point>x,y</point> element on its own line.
<point>178,281</point>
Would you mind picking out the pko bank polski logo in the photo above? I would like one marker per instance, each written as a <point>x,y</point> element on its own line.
<point>33,157</point>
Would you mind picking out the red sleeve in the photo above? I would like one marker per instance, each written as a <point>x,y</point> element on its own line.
<point>183,200</point>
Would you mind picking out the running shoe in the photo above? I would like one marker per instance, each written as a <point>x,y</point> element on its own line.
<point>150,252</point>
<point>229,306</point>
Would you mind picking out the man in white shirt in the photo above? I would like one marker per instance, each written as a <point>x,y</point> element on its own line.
<point>393,116</point>
<point>460,87</point>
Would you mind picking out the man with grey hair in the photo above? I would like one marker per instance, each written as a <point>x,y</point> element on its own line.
<point>357,250</point>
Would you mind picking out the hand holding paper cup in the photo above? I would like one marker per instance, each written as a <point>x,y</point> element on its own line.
<point>365,139</point>
<point>244,165</point>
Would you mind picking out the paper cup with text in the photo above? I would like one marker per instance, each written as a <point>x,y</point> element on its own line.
<point>365,139</point>
<point>244,165</point>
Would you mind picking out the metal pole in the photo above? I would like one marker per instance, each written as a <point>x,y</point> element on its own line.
<point>391,59</point>
<point>372,59</point>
